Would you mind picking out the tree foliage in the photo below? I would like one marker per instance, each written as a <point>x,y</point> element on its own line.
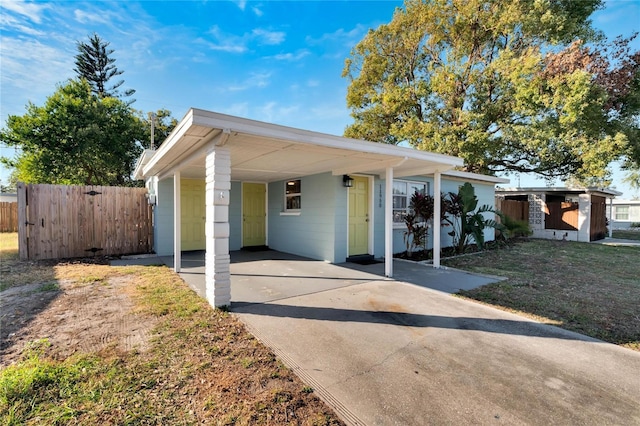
<point>95,64</point>
<point>507,85</point>
<point>162,127</point>
<point>76,137</point>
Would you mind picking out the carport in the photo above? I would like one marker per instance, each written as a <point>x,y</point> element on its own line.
<point>220,149</point>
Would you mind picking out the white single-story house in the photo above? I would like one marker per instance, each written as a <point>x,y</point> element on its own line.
<point>623,213</point>
<point>572,214</point>
<point>220,183</point>
<point>6,197</point>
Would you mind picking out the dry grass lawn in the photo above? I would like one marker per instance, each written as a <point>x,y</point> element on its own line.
<point>592,289</point>
<point>85,343</point>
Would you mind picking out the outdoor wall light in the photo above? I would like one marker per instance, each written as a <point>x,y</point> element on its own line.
<point>151,198</point>
<point>347,181</point>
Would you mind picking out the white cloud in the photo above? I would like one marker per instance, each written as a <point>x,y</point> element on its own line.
<point>10,22</point>
<point>271,112</point>
<point>292,57</point>
<point>32,11</point>
<point>255,80</point>
<point>226,42</point>
<point>257,11</point>
<point>269,37</point>
<point>87,17</point>
<point>341,36</point>
<point>242,4</point>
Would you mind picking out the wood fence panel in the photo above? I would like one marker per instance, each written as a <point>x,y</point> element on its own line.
<point>518,210</point>
<point>598,229</point>
<point>8,216</point>
<point>561,215</point>
<point>77,221</point>
<point>23,229</point>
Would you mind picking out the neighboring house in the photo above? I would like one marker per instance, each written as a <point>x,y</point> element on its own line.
<point>574,214</point>
<point>623,213</point>
<point>6,197</point>
<point>221,183</point>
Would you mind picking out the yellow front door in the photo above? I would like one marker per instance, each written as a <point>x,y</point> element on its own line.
<point>359,216</point>
<point>254,216</point>
<point>192,214</point>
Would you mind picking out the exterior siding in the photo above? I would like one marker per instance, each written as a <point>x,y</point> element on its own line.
<point>484,192</point>
<point>235,216</point>
<point>163,220</point>
<point>631,210</point>
<point>312,233</point>
<point>320,231</point>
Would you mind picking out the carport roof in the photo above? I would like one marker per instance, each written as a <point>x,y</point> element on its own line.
<point>264,152</point>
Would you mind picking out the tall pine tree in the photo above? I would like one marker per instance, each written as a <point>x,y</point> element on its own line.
<point>95,64</point>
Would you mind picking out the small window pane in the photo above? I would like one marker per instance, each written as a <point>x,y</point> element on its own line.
<point>399,188</point>
<point>399,201</point>
<point>293,187</point>
<point>293,203</point>
<point>420,187</point>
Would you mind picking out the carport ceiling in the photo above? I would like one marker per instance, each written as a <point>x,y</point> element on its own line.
<point>263,152</point>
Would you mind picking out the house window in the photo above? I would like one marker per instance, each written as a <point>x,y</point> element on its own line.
<point>622,212</point>
<point>402,192</point>
<point>292,195</point>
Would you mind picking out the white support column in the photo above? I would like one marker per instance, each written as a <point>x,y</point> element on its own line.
<point>217,259</point>
<point>177,216</point>
<point>610,217</point>
<point>388,223</point>
<point>437,212</point>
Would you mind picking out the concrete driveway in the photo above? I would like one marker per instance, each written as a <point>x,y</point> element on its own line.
<point>384,352</point>
<point>406,352</point>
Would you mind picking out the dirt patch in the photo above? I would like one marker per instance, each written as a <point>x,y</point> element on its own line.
<point>90,318</point>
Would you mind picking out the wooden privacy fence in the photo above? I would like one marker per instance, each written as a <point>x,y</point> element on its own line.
<point>518,210</point>
<point>561,215</point>
<point>60,221</point>
<point>8,217</point>
<point>598,228</point>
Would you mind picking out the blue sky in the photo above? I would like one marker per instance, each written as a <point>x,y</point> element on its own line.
<point>276,61</point>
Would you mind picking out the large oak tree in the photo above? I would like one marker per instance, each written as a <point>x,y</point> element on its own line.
<point>484,80</point>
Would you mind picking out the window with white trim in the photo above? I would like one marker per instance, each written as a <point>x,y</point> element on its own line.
<point>402,192</point>
<point>622,212</point>
<point>292,195</point>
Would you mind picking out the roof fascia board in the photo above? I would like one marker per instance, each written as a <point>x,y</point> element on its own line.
<point>474,176</point>
<point>258,128</point>
<point>421,171</point>
<point>173,138</point>
<point>219,139</point>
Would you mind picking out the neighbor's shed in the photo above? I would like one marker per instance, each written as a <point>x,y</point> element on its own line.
<point>574,214</point>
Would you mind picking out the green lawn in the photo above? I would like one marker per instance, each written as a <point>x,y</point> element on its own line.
<point>592,289</point>
<point>626,234</point>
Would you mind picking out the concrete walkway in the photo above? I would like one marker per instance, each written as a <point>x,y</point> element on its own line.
<point>618,242</point>
<point>386,352</point>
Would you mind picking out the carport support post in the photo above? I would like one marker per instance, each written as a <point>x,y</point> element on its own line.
<point>437,209</point>
<point>388,223</point>
<point>217,259</point>
<point>177,219</point>
<point>610,217</point>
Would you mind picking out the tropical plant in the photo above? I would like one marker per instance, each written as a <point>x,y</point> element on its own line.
<point>417,221</point>
<point>466,219</point>
<point>513,227</point>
